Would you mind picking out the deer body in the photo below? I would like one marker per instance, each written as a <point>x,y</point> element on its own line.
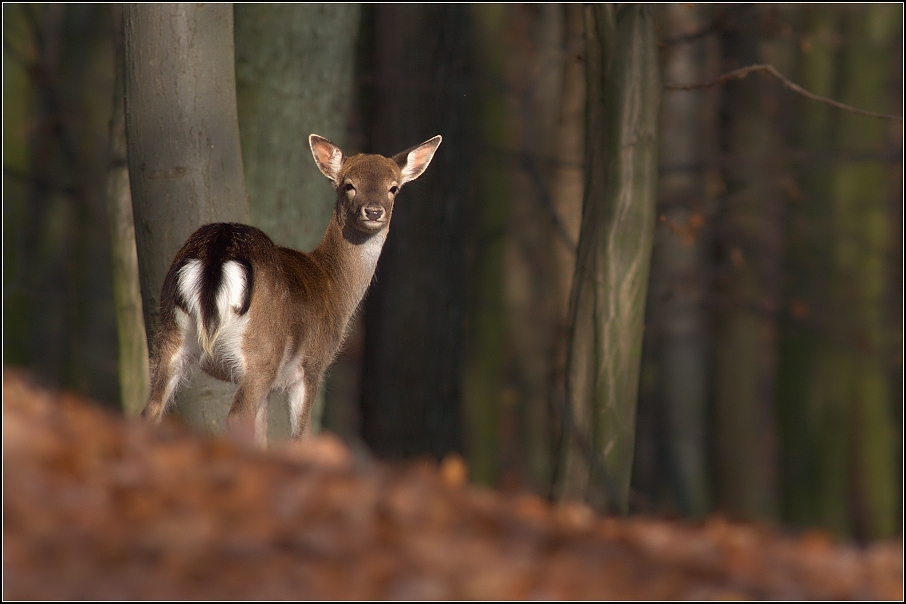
<point>266,317</point>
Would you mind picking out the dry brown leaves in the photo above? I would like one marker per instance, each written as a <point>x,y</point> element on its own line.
<point>99,508</point>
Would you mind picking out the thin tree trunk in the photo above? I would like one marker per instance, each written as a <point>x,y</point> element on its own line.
<point>858,272</point>
<point>133,345</point>
<point>544,227</point>
<point>566,196</point>
<point>611,278</point>
<point>185,162</point>
<point>676,353</point>
<point>294,67</point>
<point>486,336</point>
<point>839,465</point>
<point>808,428</point>
<point>748,279</point>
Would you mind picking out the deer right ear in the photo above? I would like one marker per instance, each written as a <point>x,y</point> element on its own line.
<point>327,155</point>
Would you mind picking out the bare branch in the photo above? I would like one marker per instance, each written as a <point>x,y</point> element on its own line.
<point>738,74</point>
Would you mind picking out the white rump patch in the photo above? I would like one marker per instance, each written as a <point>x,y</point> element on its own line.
<point>232,289</point>
<point>189,283</point>
<point>225,344</point>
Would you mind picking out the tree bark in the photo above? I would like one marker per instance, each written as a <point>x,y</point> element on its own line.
<point>485,339</point>
<point>835,405</point>
<point>130,322</point>
<point>806,461</point>
<point>748,251</point>
<point>567,193</point>
<point>611,278</point>
<point>671,443</point>
<point>858,277</point>
<point>185,162</point>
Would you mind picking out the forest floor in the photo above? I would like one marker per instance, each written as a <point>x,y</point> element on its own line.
<point>98,508</point>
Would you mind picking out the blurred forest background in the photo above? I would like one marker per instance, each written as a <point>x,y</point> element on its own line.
<point>771,376</point>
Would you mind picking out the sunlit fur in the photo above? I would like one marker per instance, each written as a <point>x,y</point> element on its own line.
<point>268,317</point>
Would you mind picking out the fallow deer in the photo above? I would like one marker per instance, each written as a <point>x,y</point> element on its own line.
<point>268,317</point>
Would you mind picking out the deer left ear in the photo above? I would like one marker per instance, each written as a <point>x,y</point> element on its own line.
<point>413,162</point>
<point>328,156</point>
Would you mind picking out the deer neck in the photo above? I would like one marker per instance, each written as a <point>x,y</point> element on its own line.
<point>350,258</point>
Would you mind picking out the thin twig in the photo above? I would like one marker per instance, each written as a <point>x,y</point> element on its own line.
<point>738,74</point>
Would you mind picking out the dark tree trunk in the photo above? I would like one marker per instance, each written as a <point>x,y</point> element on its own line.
<point>485,337</point>
<point>58,316</point>
<point>837,413</point>
<point>414,311</point>
<point>749,265</point>
<point>671,452</point>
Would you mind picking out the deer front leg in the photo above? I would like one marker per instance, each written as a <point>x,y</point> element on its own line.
<point>301,400</point>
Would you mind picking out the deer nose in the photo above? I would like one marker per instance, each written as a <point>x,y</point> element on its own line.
<point>373,212</point>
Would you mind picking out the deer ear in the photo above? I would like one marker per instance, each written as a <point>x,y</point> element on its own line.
<point>414,161</point>
<point>328,156</point>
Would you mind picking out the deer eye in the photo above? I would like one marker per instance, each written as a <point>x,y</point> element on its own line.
<point>348,187</point>
<point>394,189</point>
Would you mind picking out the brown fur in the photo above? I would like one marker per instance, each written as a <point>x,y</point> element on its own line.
<point>300,304</point>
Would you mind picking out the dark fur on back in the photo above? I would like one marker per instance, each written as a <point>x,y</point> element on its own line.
<point>214,245</point>
<point>292,308</point>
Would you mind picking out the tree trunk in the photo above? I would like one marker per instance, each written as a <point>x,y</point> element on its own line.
<point>185,163</point>
<point>839,469</point>
<point>127,296</point>
<point>414,311</point>
<point>58,315</point>
<point>671,447</point>
<point>294,68</point>
<point>809,454</point>
<point>611,278</point>
<point>566,195</point>
<point>858,274</point>
<point>748,272</point>
<point>485,355</point>
<point>544,217</point>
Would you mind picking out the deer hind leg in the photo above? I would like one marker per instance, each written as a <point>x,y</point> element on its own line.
<point>301,400</point>
<point>247,420</point>
<point>174,355</point>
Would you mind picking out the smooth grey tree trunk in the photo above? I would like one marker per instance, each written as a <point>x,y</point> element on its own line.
<point>611,278</point>
<point>185,163</point>
<point>294,76</point>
